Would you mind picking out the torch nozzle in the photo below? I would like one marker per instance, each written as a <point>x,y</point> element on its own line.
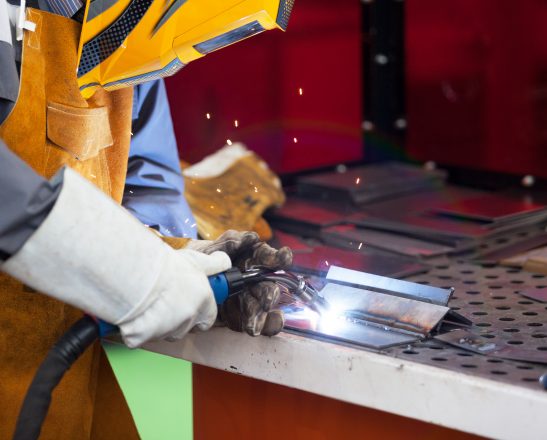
<point>295,284</point>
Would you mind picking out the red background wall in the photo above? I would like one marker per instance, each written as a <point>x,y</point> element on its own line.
<point>477,83</point>
<point>476,79</point>
<point>257,82</point>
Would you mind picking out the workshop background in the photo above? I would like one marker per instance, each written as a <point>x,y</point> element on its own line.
<point>475,86</point>
<point>469,87</point>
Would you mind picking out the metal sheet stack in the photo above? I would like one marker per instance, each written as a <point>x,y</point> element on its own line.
<point>401,211</point>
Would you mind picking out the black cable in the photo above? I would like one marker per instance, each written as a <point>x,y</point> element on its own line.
<point>57,362</point>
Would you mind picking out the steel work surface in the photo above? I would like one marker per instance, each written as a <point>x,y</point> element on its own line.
<point>489,297</point>
<point>428,381</point>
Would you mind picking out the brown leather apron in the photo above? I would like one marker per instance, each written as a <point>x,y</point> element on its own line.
<point>52,126</point>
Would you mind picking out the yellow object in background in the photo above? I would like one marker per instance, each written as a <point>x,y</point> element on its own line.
<point>534,261</point>
<point>127,42</point>
<point>231,189</point>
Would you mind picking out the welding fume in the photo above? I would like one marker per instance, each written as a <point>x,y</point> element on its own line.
<point>85,127</point>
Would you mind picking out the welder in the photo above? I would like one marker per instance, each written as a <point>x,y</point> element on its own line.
<point>67,237</point>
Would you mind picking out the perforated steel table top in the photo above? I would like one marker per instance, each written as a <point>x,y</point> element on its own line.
<point>489,296</point>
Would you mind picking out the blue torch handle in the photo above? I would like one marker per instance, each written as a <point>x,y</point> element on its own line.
<point>221,290</point>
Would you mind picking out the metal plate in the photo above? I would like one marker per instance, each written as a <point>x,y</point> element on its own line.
<point>305,218</point>
<point>406,289</point>
<point>392,313</point>
<point>314,258</point>
<point>351,237</point>
<point>467,340</point>
<point>415,215</point>
<point>504,252</point>
<point>372,182</point>
<point>306,322</point>
<point>490,208</point>
<point>322,258</point>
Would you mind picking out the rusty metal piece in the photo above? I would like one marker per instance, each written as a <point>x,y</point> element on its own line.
<point>389,312</point>
<point>371,318</point>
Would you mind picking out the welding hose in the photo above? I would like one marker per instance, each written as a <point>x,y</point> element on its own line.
<point>74,343</point>
<point>87,330</point>
<point>57,362</point>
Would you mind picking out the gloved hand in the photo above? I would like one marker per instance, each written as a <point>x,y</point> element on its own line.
<point>254,310</point>
<point>92,254</point>
<point>239,204</point>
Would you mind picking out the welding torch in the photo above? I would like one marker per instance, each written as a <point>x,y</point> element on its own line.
<point>233,281</point>
<point>86,331</point>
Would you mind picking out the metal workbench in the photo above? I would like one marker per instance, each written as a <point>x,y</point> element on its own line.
<point>429,381</point>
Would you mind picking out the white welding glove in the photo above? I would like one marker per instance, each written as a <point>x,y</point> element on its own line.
<point>92,254</point>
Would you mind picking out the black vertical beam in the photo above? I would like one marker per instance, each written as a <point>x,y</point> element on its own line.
<point>384,119</point>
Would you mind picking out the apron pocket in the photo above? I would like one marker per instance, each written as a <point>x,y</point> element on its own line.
<point>82,132</point>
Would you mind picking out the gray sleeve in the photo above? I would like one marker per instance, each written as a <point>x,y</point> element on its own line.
<point>25,201</point>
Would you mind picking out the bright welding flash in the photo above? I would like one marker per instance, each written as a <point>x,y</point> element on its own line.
<point>331,321</point>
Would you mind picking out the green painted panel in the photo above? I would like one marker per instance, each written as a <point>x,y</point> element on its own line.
<point>158,390</point>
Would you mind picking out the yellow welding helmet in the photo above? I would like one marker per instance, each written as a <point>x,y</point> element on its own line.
<point>127,42</point>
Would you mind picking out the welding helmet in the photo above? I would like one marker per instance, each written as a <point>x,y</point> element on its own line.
<point>127,42</point>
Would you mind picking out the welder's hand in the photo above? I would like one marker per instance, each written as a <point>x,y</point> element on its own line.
<point>92,254</point>
<point>253,311</point>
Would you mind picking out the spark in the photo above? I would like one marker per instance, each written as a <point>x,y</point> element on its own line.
<point>94,176</point>
<point>208,115</point>
<point>360,245</point>
<point>300,91</point>
<point>186,221</point>
<point>326,262</point>
<point>236,123</point>
<point>256,189</point>
<point>193,226</point>
<point>228,141</point>
<point>219,190</point>
<point>212,206</point>
<point>295,140</point>
<point>357,180</point>
<point>130,192</point>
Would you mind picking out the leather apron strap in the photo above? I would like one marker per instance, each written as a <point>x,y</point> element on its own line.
<point>52,126</point>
